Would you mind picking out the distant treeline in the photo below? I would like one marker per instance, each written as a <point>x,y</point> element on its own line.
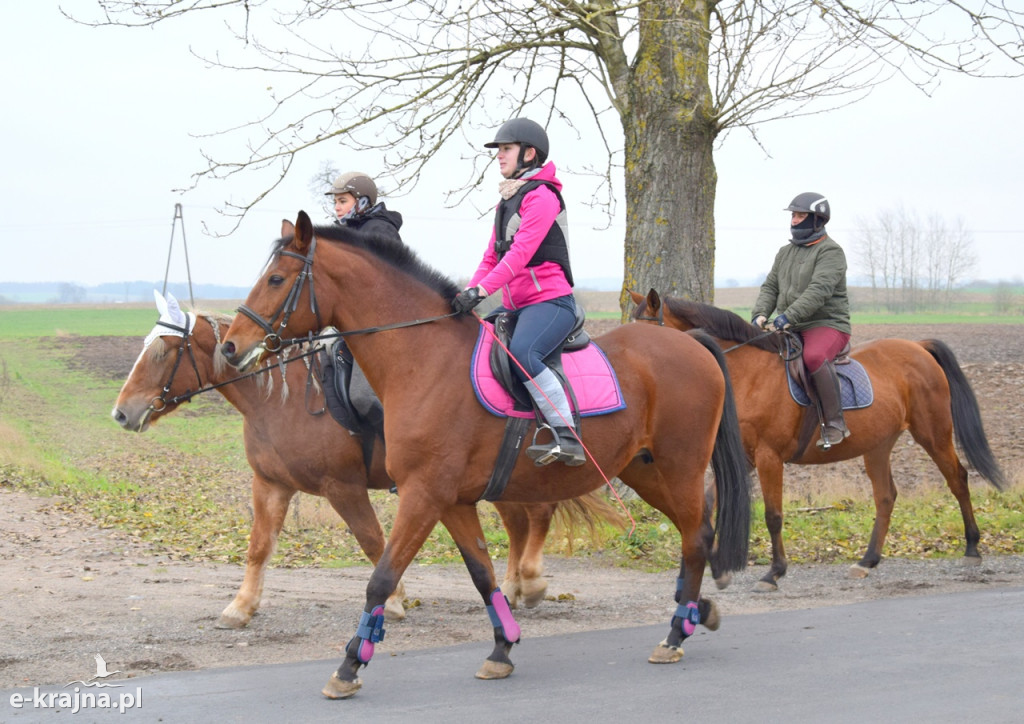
<point>110,293</point>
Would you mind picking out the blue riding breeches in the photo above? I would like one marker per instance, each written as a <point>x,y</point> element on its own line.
<point>540,329</point>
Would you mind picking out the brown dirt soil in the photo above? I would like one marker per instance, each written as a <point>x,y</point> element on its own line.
<point>70,589</point>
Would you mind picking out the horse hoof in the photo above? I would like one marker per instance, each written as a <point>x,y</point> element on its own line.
<point>665,654</point>
<point>972,561</point>
<point>858,571</point>
<point>763,586</point>
<point>394,610</point>
<point>232,620</point>
<point>533,593</point>
<point>723,581</point>
<point>495,670</point>
<point>510,589</point>
<point>713,620</point>
<point>338,689</point>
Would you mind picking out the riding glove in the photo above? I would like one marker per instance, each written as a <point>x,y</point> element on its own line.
<point>467,299</point>
<point>782,322</point>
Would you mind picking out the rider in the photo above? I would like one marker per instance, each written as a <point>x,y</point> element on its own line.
<point>355,206</point>
<point>807,286</point>
<point>528,258</point>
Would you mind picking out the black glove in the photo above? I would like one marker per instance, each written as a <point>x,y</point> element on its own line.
<point>782,322</point>
<point>467,299</point>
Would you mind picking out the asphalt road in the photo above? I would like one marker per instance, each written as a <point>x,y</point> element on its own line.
<point>946,658</point>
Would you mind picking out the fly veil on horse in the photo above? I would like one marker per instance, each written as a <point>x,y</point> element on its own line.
<point>917,386</point>
<point>293,446</point>
<point>395,314</point>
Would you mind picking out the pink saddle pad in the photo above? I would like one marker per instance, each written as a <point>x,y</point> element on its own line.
<point>590,374</point>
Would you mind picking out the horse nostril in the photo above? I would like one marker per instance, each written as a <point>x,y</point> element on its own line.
<point>119,417</point>
<point>228,349</point>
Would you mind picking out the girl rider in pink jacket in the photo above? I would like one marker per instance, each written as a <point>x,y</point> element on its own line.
<point>528,259</point>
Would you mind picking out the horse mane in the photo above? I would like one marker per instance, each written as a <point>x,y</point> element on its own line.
<point>721,323</point>
<point>388,249</point>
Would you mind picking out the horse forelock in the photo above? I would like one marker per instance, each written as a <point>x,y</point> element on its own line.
<point>387,249</point>
<point>720,323</point>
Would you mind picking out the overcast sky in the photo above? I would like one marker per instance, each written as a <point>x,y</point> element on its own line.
<point>99,127</point>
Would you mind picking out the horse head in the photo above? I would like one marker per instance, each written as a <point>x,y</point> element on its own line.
<point>274,302</point>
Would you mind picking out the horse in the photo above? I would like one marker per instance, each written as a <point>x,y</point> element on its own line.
<point>394,311</point>
<point>918,386</point>
<point>292,446</point>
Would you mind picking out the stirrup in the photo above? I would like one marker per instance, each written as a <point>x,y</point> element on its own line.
<point>553,451</point>
<point>824,443</point>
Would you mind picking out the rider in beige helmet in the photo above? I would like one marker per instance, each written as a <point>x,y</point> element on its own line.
<point>355,205</point>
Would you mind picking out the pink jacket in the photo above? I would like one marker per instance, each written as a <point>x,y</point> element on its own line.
<point>522,285</point>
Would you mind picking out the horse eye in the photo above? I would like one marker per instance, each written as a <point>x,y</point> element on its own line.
<point>276,280</point>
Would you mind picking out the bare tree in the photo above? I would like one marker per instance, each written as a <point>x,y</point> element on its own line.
<point>911,266</point>
<point>650,84</point>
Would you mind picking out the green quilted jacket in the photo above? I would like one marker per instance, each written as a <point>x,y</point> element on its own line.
<point>808,285</point>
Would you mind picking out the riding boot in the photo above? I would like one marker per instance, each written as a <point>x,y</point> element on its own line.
<point>547,393</point>
<point>830,406</point>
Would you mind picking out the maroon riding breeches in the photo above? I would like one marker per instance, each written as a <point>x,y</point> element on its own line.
<point>820,345</point>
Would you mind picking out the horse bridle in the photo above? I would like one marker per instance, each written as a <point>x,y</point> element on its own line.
<point>186,344</point>
<point>272,341</point>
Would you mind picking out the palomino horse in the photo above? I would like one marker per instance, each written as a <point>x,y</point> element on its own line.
<point>291,449</point>
<point>442,444</point>
<point>918,386</point>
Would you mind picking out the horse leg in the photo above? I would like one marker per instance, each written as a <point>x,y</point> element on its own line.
<point>769,473</point>
<point>415,519</point>
<point>879,469</point>
<point>532,584</point>
<point>352,502</point>
<point>269,506</point>
<point>463,523</point>
<point>517,525</point>
<point>945,457</point>
<point>687,514</point>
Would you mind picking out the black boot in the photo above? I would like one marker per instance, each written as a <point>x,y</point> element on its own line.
<point>830,406</point>
<point>564,448</point>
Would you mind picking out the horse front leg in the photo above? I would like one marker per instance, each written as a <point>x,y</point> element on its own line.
<point>463,523</point>
<point>415,519</point>
<point>879,469</point>
<point>269,507</point>
<point>769,473</point>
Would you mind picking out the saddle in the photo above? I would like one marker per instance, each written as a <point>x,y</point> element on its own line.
<point>855,390</point>
<point>501,365</point>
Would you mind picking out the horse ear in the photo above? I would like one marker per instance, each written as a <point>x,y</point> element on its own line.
<point>303,232</point>
<point>287,229</point>
<point>637,298</point>
<point>174,311</point>
<point>161,303</point>
<point>653,300</point>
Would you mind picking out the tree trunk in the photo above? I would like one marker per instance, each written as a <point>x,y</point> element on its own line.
<point>670,172</point>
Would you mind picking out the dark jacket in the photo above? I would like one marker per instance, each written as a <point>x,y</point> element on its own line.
<point>808,285</point>
<point>376,220</point>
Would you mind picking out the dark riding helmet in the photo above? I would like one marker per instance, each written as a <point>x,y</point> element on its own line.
<point>524,132</point>
<point>814,204</point>
<point>818,213</point>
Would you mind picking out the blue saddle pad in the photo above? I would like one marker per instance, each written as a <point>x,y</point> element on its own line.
<point>854,387</point>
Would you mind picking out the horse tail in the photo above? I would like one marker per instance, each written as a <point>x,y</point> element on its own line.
<point>587,512</point>
<point>732,478</point>
<point>970,434</point>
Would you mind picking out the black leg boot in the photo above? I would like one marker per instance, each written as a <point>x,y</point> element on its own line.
<point>833,426</point>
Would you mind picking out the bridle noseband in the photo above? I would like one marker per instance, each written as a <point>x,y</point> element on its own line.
<point>160,402</point>
<point>272,341</point>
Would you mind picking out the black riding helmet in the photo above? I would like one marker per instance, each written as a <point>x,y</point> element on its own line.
<point>528,134</point>
<point>818,213</point>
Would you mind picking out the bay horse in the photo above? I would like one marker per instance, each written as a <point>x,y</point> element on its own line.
<point>918,387</point>
<point>293,446</point>
<point>395,313</point>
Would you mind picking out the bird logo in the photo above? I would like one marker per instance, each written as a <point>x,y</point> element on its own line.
<point>101,673</point>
